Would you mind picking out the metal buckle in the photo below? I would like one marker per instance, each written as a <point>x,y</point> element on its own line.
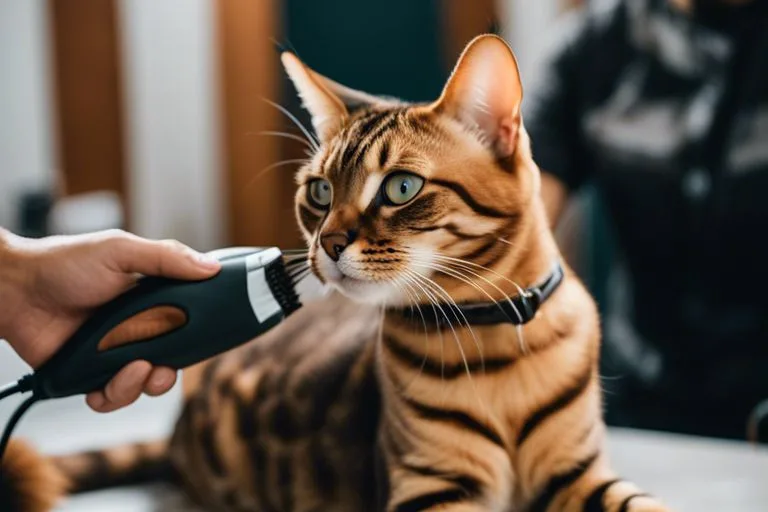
<point>531,300</point>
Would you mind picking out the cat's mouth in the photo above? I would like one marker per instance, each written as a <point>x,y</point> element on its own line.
<point>346,276</point>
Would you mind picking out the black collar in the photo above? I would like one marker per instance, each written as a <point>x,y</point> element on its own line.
<point>518,310</point>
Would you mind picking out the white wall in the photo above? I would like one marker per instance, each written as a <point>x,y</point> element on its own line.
<point>172,121</point>
<point>26,153</point>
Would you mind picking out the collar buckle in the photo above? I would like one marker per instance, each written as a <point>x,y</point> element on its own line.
<point>530,300</point>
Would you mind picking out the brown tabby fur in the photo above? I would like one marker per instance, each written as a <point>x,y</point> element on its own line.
<point>348,406</point>
<point>28,482</point>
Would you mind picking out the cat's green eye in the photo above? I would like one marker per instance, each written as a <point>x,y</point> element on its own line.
<point>319,193</point>
<point>401,187</point>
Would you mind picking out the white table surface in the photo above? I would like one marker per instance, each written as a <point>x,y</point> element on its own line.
<point>690,474</point>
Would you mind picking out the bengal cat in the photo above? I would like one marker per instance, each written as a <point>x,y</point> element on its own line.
<point>357,406</point>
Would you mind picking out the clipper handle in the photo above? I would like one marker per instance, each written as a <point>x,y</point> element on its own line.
<point>219,317</point>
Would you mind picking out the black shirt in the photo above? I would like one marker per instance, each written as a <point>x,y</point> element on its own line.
<point>668,115</point>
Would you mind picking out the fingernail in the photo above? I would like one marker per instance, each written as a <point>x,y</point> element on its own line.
<point>207,261</point>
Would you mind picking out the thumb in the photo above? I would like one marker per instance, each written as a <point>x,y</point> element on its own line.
<point>166,258</point>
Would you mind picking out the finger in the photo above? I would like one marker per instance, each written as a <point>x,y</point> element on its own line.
<point>167,258</point>
<point>97,401</point>
<point>161,380</point>
<point>124,388</point>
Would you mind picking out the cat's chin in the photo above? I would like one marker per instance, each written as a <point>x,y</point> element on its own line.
<point>379,293</point>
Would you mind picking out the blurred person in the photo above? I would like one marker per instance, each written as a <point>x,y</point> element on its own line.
<point>49,286</point>
<point>663,105</point>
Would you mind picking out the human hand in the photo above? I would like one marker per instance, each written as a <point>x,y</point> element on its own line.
<point>48,287</point>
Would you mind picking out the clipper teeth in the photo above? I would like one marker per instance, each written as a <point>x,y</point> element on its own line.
<point>282,287</point>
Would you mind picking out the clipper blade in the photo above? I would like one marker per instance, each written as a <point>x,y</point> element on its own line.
<point>292,291</point>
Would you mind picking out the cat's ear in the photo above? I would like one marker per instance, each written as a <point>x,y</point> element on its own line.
<point>326,107</point>
<point>328,102</point>
<point>485,92</point>
<point>354,99</point>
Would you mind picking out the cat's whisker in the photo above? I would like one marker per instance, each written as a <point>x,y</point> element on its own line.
<point>297,269</point>
<point>520,339</point>
<point>313,141</point>
<point>287,135</point>
<point>479,267</point>
<point>274,166</point>
<point>414,302</point>
<point>435,307</point>
<point>442,356</point>
<point>478,396</point>
<point>300,274</point>
<point>412,276</point>
<point>518,328</point>
<point>457,261</point>
<point>505,241</point>
<point>299,265</point>
<point>455,273</point>
<point>455,308</point>
<point>294,259</point>
<point>467,264</point>
<point>440,255</point>
<point>436,290</point>
<point>437,266</point>
<point>300,277</point>
<point>440,335</point>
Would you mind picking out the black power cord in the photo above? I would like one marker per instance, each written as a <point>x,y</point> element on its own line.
<point>23,385</point>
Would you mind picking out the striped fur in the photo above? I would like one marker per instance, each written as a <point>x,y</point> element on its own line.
<point>349,406</point>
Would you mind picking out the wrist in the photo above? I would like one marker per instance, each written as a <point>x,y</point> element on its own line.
<point>13,279</point>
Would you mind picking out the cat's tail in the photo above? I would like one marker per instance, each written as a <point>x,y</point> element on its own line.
<point>30,482</point>
<point>130,464</point>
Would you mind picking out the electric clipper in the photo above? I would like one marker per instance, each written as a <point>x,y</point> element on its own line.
<point>254,291</point>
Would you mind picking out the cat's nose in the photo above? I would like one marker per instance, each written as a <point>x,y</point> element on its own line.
<point>334,244</point>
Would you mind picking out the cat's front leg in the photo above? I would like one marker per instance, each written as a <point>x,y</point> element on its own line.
<point>448,484</point>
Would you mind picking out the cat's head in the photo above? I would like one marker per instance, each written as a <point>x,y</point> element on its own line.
<point>398,191</point>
